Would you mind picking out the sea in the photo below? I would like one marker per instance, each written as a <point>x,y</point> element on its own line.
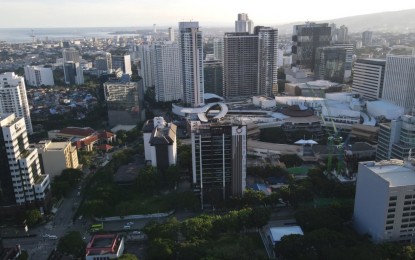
<point>22,35</point>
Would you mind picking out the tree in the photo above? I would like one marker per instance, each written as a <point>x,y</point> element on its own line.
<point>184,157</point>
<point>253,198</point>
<point>294,247</point>
<point>291,160</point>
<point>259,217</point>
<point>33,217</point>
<point>172,176</point>
<point>148,180</point>
<point>72,244</point>
<point>161,248</point>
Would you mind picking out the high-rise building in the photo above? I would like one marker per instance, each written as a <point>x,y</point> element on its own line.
<point>167,73</point>
<point>267,59</point>
<point>349,47</point>
<point>191,55</point>
<point>37,76</point>
<point>21,178</point>
<point>330,64</point>
<point>218,48</point>
<point>342,34</point>
<point>122,62</point>
<point>250,63</point>
<point>396,139</point>
<point>367,38</point>
<point>124,102</point>
<point>171,34</point>
<point>244,24</point>
<point>73,73</point>
<point>71,54</point>
<point>240,65</point>
<point>399,83</point>
<point>306,39</point>
<point>213,73</point>
<point>146,65</point>
<point>104,63</point>
<point>384,194</point>
<point>368,77</point>
<point>13,98</point>
<point>219,160</point>
<point>160,145</point>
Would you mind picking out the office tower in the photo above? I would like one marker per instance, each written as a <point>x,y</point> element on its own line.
<point>37,76</point>
<point>123,101</point>
<point>349,47</point>
<point>213,73</point>
<point>250,62</point>
<point>218,48</point>
<point>71,54</point>
<point>306,39</point>
<point>103,63</point>
<point>191,55</point>
<point>73,73</point>
<point>13,98</point>
<point>160,145</point>
<point>368,77</point>
<point>146,65</point>
<point>171,34</point>
<point>244,24</point>
<point>330,64</point>
<point>167,73</point>
<point>367,38</point>
<point>218,160</point>
<point>399,83</point>
<point>384,193</point>
<point>21,179</point>
<point>267,59</point>
<point>240,65</point>
<point>122,62</point>
<point>396,139</point>
<point>342,34</point>
<point>154,28</point>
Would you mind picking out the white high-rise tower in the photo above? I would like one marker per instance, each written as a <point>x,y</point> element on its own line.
<point>13,98</point>
<point>244,24</point>
<point>191,54</point>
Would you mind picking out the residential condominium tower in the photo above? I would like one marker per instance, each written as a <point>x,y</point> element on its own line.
<point>399,83</point>
<point>37,76</point>
<point>191,57</point>
<point>146,64</point>
<point>167,73</point>
<point>244,24</point>
<point>13,98</point>
<point>122,62</point>
<point>21,180</point>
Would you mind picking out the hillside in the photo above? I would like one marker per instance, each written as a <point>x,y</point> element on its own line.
<point>396,21</point>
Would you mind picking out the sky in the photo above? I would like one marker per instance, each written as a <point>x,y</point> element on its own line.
<point>209,13</point>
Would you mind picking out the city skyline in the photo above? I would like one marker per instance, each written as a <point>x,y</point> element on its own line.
<point>103,13</point>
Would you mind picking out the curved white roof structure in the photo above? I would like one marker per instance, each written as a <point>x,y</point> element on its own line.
<point>202,111</point>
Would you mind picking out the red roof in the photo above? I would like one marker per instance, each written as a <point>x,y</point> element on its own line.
<point>105,134</point>
<point>86,141</point>
<point>78,131</point>
<point>105,147</point>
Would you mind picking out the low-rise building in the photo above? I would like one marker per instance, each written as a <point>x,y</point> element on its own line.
<point>264,102</point>
<point>57,156</point>
<point>105,246</point>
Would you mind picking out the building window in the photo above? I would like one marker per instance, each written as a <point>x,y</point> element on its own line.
<point>391,215</point>
<point>392,204</point>
<point>389,222</point>
<point>408,196</point>
<point>393,198</point>
<point>389,227</point>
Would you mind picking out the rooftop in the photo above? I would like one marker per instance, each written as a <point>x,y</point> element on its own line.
<point>278,232</point>
<point>396,172</point>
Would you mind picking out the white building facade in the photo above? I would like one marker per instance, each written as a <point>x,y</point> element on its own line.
<point>13,98</point>
<point>368,77</point>
<point>399,84</point>
<point>384,203</point>
<point>20,165</point>
<point>191,55</point>
<point>37,76</point>
<point>146,65</point>
<point>167,73</point>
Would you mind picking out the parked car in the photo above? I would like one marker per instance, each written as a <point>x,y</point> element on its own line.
<point>127,227</point>
<point>130,223</point>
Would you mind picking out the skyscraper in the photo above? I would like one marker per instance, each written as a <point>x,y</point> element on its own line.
<point>171,34</point>
<point>167,74</point>
<point>146,64</point>
<point>73,73</point>
<point>103,63</point>
<point>13,98</point>
<point>367,38</point>
<point>306,39</point>
<point>244,24</point>
<point>71,54</point>
<point>218,160</point>
<point>330,63</point>
<point>342,34</point>
<point>213,73</point>
<point>191,55</point>
<point>218,48</point>
<point>399,84</point>
<point>37,76</point>
<point>122,62</point>
<point>250,62</point>
<point>21,179</point>
<point>368,77</point>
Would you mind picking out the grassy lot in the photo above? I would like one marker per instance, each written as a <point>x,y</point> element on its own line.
<point>298,170</point>
<point>322,202</point>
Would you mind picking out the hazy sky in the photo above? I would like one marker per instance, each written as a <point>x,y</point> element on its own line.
<point>140,13</point>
